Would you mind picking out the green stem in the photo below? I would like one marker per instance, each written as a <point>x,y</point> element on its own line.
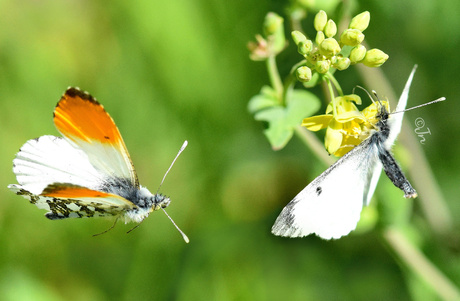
<point>417,262</point>
<point>288,86</point>
<point>275,79</point>
<point>291,79</point>
<point>313,143</point>
<point>336,84</point>
<point>331,91</point>
<point>331,95</point>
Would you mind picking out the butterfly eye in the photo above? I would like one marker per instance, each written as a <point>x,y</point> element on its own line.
<point>165,202</point>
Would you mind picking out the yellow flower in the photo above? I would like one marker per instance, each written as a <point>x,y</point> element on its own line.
<point>346,125</point>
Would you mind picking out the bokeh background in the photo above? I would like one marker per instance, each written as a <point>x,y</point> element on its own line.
<point>167,71</point>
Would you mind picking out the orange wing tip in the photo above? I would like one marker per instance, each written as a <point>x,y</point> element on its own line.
<point>78,115</point>
<point>72,192</point>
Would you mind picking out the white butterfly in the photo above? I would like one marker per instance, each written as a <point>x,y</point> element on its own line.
<point>88,171</point>
<point>330,206</point>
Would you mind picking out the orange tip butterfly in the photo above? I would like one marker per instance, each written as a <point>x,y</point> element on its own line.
<point>88,171</point>
<point>330,206</point>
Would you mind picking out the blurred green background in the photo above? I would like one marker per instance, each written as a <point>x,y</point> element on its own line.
<point>167,71</point>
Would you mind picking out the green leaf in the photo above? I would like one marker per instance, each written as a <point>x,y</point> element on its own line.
<point>278,135</point>
<point>282,121</point>
<point>271,114</point>
<point>265,99</point>
<point>301,104</point>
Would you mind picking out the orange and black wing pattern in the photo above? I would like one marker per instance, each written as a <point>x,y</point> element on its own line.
<point>85,123</point>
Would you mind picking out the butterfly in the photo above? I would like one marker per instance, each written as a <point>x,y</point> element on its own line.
<point>86,173</point>
<point>330,206</point>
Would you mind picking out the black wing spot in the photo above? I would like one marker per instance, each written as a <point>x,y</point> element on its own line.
<point>107,137</point>
<point>319,190</point>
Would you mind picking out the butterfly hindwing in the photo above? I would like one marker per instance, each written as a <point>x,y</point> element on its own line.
<point>84,122</point>
<point>64,200</point>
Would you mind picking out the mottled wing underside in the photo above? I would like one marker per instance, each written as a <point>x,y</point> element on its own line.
<point>70,201</point>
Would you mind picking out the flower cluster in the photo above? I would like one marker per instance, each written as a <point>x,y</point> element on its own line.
<point>346,125</point>
<point>326,52</point>
<point>273,42</point>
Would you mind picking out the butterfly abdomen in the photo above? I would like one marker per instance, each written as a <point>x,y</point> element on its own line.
<point>393,171</point>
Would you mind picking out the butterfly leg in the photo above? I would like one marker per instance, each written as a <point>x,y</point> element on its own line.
<point>103,232</point>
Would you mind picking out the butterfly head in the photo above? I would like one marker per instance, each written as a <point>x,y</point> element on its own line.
<point>151,201</point>
<point>383,113</point>
<point>160,201</point>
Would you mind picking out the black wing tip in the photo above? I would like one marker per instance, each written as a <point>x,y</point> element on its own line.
<point>77,92</point>
<point>284,224</point>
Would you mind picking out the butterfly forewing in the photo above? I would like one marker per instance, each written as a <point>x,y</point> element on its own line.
<point>330,206</point>
<point>85,123</point>
<point>49,159</point>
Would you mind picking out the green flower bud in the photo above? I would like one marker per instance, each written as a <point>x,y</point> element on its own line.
<point>319,37</point>
<point>298,37</point>
<point>303,74</point>
<point>357,54</point>
<point>375,58</point>
<point>342,63</point>
<point>361,21</point>
<point>333,60</point>
<point>274,30</point>
<point>272,23</point>
<point>329,47</point>
<point>352,37</point>
<point>330,29</point>
<point>322,66</point>
<point>304,47</point>
<point>320,20</point>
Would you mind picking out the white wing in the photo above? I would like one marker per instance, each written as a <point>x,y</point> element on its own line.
<point>394,123</point>
<point>395,120</point>
<point>330,206</point>
<point>49,159</point>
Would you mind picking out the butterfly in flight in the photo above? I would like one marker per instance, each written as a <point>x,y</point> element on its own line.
<point>86,173</point>
<point>330,206</point>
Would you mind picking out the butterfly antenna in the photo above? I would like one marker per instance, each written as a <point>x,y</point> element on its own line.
<point>113,226</point>
<point>367,92</point>
<point>184,145</point>
<point>178,229</point>
<point>422,105</point>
